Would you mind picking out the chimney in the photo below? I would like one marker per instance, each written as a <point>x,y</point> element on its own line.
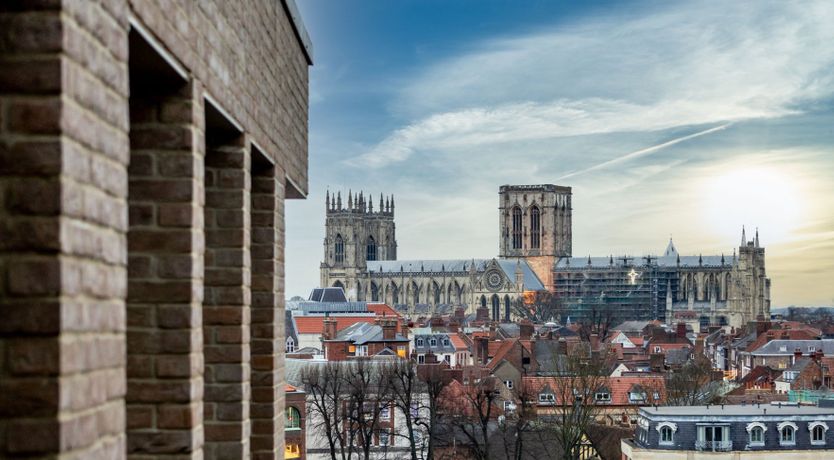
<point>481,349</point>
<point>656,361</point>
<point>389,327</point>
<point>562,346</point>
<point>699,346</point>
<point>454,326</point>
<point>460,314</point>
<point>681,330</point>
<point>797,353</point>
<point>482,314</point>
<point>406,329</point>
<point>818,355</point>
<point>525,329</point>
<point>329,330</point>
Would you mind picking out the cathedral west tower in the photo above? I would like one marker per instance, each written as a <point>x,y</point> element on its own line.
<point>535,223</point>
<point>356,232</point>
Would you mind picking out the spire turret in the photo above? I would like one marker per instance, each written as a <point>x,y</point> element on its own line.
<point>350,200</point>
<point>327,201</point>
<point>339,200</point>
<point>381,207</point>
<point>743,237</point>
<point>757,237</point>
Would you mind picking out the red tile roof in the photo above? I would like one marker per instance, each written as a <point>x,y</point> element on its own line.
<point>381,309</point>
<point>619,387</point>
<point>315,324</point>
<point>458,342</point>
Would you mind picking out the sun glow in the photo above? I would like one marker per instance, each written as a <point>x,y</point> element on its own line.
<point>763,197</point>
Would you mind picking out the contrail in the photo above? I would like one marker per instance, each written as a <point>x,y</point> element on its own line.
<point>645,151</point>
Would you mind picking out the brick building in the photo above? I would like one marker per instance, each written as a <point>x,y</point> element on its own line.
<point>146,150</point>
<point>295,425</point>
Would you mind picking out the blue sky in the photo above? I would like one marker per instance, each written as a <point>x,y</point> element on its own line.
<point>666,118</point>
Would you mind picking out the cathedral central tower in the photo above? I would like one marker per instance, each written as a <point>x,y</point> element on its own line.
<point>535,223</point>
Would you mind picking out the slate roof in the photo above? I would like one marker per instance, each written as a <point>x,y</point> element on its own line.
<point>508,266</point>
<point>289,326</point>
<point>668,259</point>
<point>329,294</point>
<point>362,333</point>
<point>315,324</point>
<point>618,387</point>
<point>774,347</point>
<point>438,348</point>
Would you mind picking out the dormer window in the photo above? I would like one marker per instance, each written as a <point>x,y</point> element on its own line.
<point>419,342</point>
<point>445,342</point>
<point>783,348</point>
<point>547,398</point>
<point>602,396</point>
<point>433,342</point>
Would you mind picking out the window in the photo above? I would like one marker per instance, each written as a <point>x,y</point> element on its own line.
<point>657,349</point>
<point>371,253</point>
<point>818,430</point>
<point>340,249</point>
<point>448,359</point>
<point>421,359</point>
<point>656,395</point>
<point>787,433</point>
<point>547,398</point>
<point>666,435</point>
<point>667,432</point>
<point>292,451</point>
<point>637,396</point>
<point>517,227</point>
<point>602,396</point>
<point>714,438</point>
<point>384,438</point>
<point>433,342</point>
<point>289,345</point>
<point>508,384</point>
<point>362,350</point>
<point>535,228</point>
<point>419,342</point>
<point>385,412</point>
<point>509,406</point>
<point>445,342</point>
<point>756,431</point>
<point>293,419</point>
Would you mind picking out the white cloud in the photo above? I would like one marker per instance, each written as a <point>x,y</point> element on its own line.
<point>690,64</point>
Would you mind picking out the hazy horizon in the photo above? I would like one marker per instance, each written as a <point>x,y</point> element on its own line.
<point>682,119</point>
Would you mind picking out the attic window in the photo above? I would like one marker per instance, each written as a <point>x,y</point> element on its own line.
<point>445,342</point>
<point>783,348</point>
<point>433,342</point>
<point>602,396</point>
<point>812,348</point>
<point>419,342</point>
<point>547,398</point>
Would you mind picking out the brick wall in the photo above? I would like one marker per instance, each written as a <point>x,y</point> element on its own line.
<point>103,247</point>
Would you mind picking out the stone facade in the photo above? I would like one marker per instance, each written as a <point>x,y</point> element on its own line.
<point>535,254</point>
<point>146,150</point>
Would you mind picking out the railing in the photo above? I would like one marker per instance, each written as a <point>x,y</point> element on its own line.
<point>717,446</point>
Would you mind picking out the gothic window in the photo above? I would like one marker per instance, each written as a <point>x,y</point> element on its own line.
<point>340,249</point>
<point>436,293</point>
<point>289,345</point>
<point>339,284</point>
<point>535,228</point>
<point>395,294</point>
<point>507,308</point>
<point>415,291</point>
<point>517,227</point>
<point>371,255</point>
<point>496,306</point>
<point>374,292</point>
<point>483,301</point>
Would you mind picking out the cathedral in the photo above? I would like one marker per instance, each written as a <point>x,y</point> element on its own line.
<point>535,254</point>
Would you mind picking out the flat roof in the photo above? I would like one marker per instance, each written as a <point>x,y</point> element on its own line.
<point>737,410</point>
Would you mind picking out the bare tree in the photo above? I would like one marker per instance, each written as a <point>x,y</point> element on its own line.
<point>520,423</point>
<point>367,396</point>
<point>542,307</point>
<point>407,392</point>
<point>325,387</point>
<point>434,380</point>
<point>692,384</point>
<point>473,413</point>
<point>599,321</point>
<point>583,375</point>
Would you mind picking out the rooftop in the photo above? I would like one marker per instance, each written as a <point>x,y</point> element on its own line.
<point>737,410</point>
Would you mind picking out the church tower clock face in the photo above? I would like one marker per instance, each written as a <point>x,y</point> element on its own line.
<point>494,280</point>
